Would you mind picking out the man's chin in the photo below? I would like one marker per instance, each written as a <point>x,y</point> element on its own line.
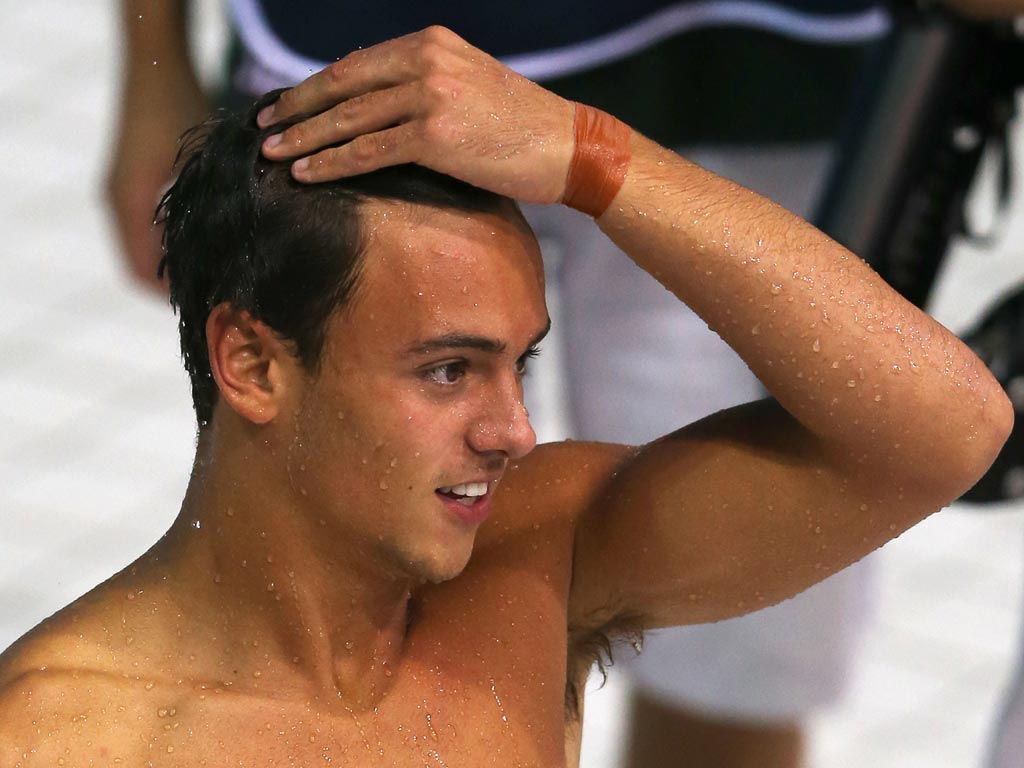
<point>442,566</point>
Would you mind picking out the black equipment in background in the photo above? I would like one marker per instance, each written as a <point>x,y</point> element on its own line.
<point>939,90</point>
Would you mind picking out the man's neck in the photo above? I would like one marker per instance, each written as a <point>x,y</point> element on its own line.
<point>292,602</point>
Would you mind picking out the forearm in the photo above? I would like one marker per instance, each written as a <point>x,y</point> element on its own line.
<point>155,29</point>
<point>156,48</point>
<point>160,98</point>
<point>876,379</point>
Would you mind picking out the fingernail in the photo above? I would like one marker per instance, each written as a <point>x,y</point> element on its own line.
<point>265,116</point>
<point>299,167</point>
<point>272,141</point>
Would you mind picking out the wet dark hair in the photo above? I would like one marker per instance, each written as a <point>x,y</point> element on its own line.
<point>239,229</point>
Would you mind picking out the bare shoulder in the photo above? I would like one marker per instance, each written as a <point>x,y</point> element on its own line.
<point>54,705</point>
<point>559,481</point>
<point>67,686</point>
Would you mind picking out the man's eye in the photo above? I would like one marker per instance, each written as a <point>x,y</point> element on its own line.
<point>521,363</point>
<point>446,374</point>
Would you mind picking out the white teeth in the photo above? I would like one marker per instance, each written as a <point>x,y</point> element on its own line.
<point>465,489</point>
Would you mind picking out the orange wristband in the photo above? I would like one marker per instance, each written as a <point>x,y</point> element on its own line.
<point>599,161</point>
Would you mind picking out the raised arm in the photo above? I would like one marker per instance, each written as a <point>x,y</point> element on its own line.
<point>880,415</point>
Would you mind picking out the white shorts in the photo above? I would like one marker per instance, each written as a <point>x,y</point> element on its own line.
<point>634,363</point>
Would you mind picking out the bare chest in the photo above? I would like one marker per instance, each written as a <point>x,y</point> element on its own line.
<point>428,727</point>
<point>482,683</point>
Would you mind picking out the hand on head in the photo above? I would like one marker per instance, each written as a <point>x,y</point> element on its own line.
<point>428,98</point>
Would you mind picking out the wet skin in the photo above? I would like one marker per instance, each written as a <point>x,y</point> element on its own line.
<point>313,599</point>
<point>314,555</point>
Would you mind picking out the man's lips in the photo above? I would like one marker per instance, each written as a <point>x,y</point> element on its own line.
<point>465,492</point>
<point>470,502</point>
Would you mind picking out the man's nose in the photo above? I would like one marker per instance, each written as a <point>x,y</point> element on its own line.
<point>504,426</point>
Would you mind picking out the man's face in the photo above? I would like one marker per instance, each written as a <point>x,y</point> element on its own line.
<point>403,434</point>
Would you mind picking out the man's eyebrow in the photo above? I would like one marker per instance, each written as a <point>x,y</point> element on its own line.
<point>467,341</point>
<point>455,341</point>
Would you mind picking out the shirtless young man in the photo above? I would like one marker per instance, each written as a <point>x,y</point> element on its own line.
<point>323,596</point>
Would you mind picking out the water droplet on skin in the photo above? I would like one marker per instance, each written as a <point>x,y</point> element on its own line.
<point>776,289</point>
<point>878,398</point>
<point>863,507</point>
<point>755,330</point>
<point>383,485</point>
<point>816,346</point>
<point>851,383</point>
<point>196,524</point>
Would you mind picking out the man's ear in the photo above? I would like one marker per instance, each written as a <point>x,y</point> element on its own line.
<point>248,363</point>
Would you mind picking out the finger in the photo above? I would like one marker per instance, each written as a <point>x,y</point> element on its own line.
<point>359,115</point>
<point>363,154</point>
<point>380,66</point>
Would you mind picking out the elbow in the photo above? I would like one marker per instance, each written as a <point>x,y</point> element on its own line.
<point>985,439</point>
<point>996,424</point>
<point>1004,418</point>
<point>998,417</point>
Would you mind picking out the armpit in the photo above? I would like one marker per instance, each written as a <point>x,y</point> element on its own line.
<point>594,644</point>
